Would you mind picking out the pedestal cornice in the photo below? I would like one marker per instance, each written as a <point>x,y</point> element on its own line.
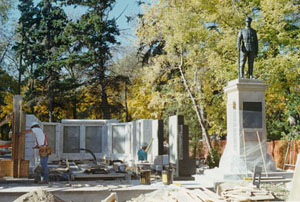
<point>246,85</point>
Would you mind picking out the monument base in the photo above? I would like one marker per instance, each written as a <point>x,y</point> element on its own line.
<point>246,129</point>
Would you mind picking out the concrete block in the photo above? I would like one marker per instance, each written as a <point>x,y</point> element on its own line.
<point>93,138</point>
<point>294,192</point>
<point>71,139</point>
<point>157,135</point>
<point>144,131</point>
<point>174,122</point>
<point>118,139</point>
<point>187,167</point>
<point>183,142</point>
<point>133,140</point>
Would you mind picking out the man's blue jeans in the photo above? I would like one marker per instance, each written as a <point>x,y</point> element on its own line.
<point>44,164</point>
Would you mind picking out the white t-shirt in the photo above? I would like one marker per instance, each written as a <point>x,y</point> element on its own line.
<point>39,136</point>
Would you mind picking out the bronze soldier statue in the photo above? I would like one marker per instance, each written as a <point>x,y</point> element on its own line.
<point>247,45</point>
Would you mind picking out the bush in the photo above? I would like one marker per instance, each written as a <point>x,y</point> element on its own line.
<point>213,159</point>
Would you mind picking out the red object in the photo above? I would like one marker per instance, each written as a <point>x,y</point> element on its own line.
<point>6,145</point>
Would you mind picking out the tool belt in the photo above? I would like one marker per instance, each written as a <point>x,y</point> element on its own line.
<point>45,150</point>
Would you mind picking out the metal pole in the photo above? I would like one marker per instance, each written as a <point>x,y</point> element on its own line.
<point>262,155</point>
<point>243,133</point>
<point>239,57</point>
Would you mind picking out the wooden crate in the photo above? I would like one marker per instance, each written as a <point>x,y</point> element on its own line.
<point>24,168</point>
<point>6,168</point>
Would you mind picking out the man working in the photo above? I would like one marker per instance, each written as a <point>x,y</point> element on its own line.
<point>247,45</point>
<point>142,154</point>
<point>41,143</point>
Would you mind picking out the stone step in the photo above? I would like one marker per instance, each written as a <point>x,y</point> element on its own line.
<point>283,174</point>
<point>11,180</point>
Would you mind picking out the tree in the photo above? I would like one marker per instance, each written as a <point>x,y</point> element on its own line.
<point>178,47</point>
<point>41,29</point>
<point>5,5</point>
<point>23,47</point>
<point>195,49</point>
<point>8,87</point>
<point>128,68</point>
<point>94,34</point>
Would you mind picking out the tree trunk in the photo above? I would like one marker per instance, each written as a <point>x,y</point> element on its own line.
<point>125,104</point>
<point>20,74</point>
<point>31,86</point>
<point>51,97</point>
<point>51,107</point>
<point>200,112</point>
<point>74,102</point>
<point>104,102</point>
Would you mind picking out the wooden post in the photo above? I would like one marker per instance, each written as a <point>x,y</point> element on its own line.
<point>18,142</point>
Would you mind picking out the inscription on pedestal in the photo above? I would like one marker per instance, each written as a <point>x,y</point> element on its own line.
<point>252,115</point>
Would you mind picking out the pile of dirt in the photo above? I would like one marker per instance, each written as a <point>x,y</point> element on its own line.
<point>166,195</point>
<point>39,196</point>
<point>178,194</point>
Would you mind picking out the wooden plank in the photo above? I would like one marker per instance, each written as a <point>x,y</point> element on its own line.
<point>113,197</point>
<point>91,176</point>
<point>244,197</point>
<point>193,195</point>
<point>17,103</point>
<point>6,168</point>
<point>203,196</point>
<point>18,142</point>
<point>271,178</point>
<point>15,142</point>
<point>211,193</point>
<point>22,126</point>
<point>24,168</point>
<point>184,196</point>
<point>247,194</point>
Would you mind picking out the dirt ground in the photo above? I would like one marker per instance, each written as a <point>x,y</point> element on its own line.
<point>38,196</point>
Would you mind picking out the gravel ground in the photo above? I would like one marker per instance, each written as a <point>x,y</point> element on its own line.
<point>279,190</point>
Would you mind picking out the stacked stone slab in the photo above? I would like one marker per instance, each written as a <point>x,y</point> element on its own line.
<point>246,128</point>
<point>179,149</point>
<point>158,132</point>
<point>125,139</point>
<point>105,138</point>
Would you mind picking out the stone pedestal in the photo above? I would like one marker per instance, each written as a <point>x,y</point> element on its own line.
<point>158,137</point>
<point>246,127</point>
<point>179,149</point>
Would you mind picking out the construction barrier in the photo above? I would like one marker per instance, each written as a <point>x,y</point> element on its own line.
<point>277,149</point>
